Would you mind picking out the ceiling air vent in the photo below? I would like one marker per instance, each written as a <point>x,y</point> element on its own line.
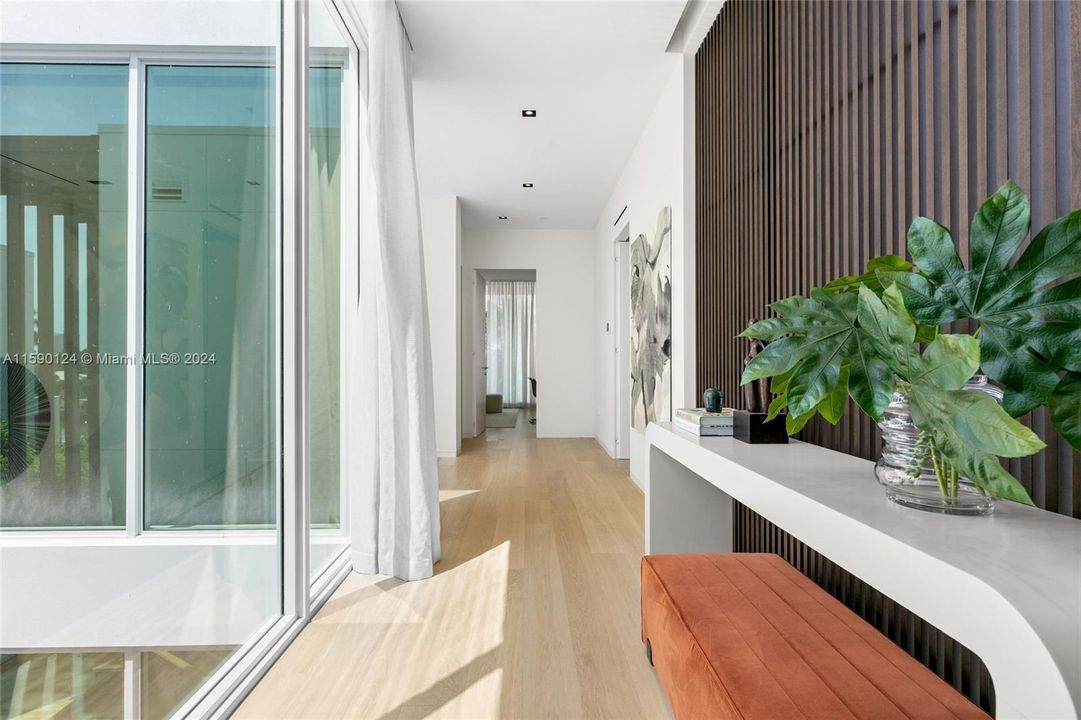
<point>167,191</point>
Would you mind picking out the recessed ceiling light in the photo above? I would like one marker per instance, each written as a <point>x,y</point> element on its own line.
<point>502,217</point>
<point>529,113</point>
<point>527,185</point>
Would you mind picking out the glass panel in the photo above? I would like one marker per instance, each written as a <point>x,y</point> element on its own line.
<point>211,435</point>
<point>63,269</point>
<point>91,685</point>
<point>326,217</point>
<point>62,685</point>
<point>172,608</point>
<point>169,675</point>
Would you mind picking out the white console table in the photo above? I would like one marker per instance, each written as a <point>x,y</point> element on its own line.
<point>1007,586</point>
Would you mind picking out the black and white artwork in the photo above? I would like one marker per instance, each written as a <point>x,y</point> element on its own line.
<point>651,324</point>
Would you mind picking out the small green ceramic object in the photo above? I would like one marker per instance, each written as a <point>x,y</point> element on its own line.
<point>712,400</point>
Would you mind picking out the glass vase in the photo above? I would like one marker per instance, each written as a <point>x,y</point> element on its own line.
<point>908,471</point>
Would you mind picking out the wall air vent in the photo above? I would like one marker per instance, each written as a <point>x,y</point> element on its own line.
<point>167,191</point>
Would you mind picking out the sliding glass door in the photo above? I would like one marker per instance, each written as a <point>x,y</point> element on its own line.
<point>332,161</point>
<point>146,511</point>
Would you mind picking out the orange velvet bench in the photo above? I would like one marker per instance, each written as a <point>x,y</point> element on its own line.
<point>747,636</point>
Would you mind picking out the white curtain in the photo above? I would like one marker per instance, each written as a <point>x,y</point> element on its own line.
<point>394,493</point>
<point>511,333</point>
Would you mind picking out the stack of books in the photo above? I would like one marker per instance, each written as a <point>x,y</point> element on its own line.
<point>702,422</point>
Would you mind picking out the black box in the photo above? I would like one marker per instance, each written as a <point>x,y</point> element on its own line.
<point>752,428</point>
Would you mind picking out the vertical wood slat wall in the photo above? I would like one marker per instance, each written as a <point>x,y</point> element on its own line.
<point>823,128</point>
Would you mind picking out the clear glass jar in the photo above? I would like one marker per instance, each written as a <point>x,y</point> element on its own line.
<point>908,473</point>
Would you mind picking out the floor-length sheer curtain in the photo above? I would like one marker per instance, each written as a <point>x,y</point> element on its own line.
<point>391,466</point>
<point>511,337</point>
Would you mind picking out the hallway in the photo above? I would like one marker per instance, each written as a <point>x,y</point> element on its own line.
<point>533,611</point>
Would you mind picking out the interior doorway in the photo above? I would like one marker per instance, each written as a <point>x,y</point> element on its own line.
<point>480,363</point>
<point>508,378</point>
<point>621,338</point>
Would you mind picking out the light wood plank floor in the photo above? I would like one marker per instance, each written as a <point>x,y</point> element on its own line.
<point>533,612</point>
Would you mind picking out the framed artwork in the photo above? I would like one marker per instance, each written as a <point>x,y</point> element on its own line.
<point>651,324</point>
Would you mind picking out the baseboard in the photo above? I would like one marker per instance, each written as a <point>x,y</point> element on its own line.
<point>446,454</point>
<point>638,481</point>
<point>604,446</point>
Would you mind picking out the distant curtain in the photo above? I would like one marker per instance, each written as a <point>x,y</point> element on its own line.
<point>391,466</point>
<point>511,331</point>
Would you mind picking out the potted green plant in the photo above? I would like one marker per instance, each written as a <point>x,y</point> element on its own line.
<point>947,402</point>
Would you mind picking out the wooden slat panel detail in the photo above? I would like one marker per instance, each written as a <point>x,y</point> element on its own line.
<point>823,128</point>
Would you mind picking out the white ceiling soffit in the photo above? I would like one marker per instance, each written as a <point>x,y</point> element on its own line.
<point>593,71</point>
<point>698,17</point>
<point>492,275</point>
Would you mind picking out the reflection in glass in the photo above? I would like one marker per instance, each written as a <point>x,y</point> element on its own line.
<point>91,684</point>
<point>62,685</point>
<point>326,215</point>
<point>168,677</point>
<point>211,436</point>
<point>63,268</point>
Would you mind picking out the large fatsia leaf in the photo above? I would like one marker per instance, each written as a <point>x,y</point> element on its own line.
<point>871,278</point>
<point>1027,379</point>
<point>777,406</point>
<point>871,383</point>
<point>806,327</point>
<point>888,324</point>
<point>795,314</point>
<point>779,383</point>
<point>832,408</point>
<point>1066,408</point>
<point>931,246</point>
<point>794,423</point>
<point>817,376</point>
<point>972,431</point>
<point>920,298</point>
<point>1030,321</point>
<point>998,228</point>
<point>979,421</point>
<point>778,358</point>
<point>818,355</point>
<point>1054,252</point>
<point>948,362</point>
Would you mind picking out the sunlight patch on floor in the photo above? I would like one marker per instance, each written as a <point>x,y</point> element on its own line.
<point>443,658</point>
<point>455,494</point>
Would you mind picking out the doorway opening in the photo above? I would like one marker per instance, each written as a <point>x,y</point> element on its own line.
<point>509,348</point>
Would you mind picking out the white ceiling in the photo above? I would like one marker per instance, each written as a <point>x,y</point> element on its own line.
<point>593,71</point>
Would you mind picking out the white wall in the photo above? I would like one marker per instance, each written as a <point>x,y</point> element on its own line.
<point>564,261</point>
<point>441,226</point>
<point>659,173</point>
